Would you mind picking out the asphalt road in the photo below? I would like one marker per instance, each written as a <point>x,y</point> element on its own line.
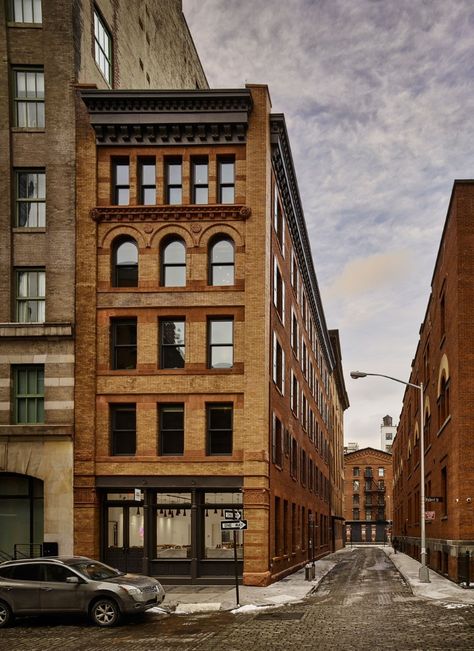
<point>362,604</point>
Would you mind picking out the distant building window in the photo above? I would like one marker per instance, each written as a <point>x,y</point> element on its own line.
<point>221,261</point>
<point>30,295</point>
<point>388,436</point>
<point>356,485</point>
<point>29,394</point>
<point>103,48</point>
<point>200,179</point>
<point>30,202</point>
<point>28,98</point>
<point>219,429</point>
<point>173,266</point>
<point>172,343</point>
<point>123,419</point>
<point>147,177</point>
<point>356,471</point>
<point>26,11</point>
<point>221,343</point>
<point>226,180</point>
<point>355,514</point>
<point>121,181</point>
<point>125,263</point>
<point>171,429</point>
<point>174,181</point>
<point>381,472</point>
<point>124,343</point>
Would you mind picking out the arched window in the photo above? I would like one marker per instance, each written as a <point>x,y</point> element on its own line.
<point>125,263</point>
<point>221,261</point>
<point>443,400</point>
<point>173,263</point>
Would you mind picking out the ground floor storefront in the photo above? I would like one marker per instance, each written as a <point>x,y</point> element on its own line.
<point>452,558</point>
<point>367,531</point>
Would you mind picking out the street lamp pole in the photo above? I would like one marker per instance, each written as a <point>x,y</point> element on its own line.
<point>423,574</point>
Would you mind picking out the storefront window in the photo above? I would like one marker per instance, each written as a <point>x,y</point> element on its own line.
<point>173,525</point>
<point>217,543</point>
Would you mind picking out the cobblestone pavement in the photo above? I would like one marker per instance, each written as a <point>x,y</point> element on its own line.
<point>362,604</point>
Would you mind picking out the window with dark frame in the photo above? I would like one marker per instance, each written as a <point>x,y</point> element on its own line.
<point>294,334</point>
<point>30,199</point>
<point>172,343</point>
<point>123,427</point>
<point>200,181</point>
<point>121,181</point>
<point>277,442</point>
<point>28,389</point>
<point>28,98</point>
<point>221,342</point>
<point>103,47</point>
<point>278,222</point>
<point>174,181</point>
<point>278,364</point>
<point>171,429</point>
<point>294,459</point>
<point>147,179</point>
<point>125,262</point>
<point>30,295</point>
<point>26,11</point>
<point>442,314</point>
<point>226,179</point>
<point>219,429</point>
<point>221,261</point>
<point>278,291</point>
<point>173,263</point>
<point>124,343</point>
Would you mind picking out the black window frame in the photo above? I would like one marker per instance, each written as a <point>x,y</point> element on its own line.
<point>212,265</point>
<point>173,186</point>
<point>164,433</point>
<point>225,160</point>
<point>35,200</point>
<point>121,273</point>
<point>115,409</point>
<point>209,432</point>
<point>96,45</point>
<point>143,187</point>
<point>40,122</point>
<point>211,346</point>
<point>171,265</point>
<point>20,20</point>
<point>117,187</point>
<point>201,160</point>
<point>167,346</point>
<point>115,323</point>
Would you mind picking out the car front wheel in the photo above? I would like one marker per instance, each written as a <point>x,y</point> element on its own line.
<point>105,612</point>
<point>6,615</point>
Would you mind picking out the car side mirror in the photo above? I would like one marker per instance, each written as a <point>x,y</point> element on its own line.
<point>72,579</point>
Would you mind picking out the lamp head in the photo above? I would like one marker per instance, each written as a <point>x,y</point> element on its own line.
<point>355,375</point>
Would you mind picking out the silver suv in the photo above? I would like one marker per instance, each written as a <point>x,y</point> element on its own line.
<point>76,584</point>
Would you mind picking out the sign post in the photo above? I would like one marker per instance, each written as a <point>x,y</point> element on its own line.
<point>234,525</point>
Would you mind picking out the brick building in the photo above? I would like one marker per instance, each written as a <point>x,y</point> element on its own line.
<point>205,377</point>
<point>368,503</point>
<point>443,362</point>
<point>47,47</point>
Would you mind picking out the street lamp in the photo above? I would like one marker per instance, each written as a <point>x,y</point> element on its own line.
<point>423,574</point>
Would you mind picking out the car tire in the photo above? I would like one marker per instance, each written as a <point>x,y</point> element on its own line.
<point>6,615</point>
<point>105,612</point>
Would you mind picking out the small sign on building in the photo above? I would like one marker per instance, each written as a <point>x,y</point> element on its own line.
<point>430,515</point>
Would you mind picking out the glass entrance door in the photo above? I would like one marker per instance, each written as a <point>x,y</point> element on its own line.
<point>21,514</point>
<point>124,537</point>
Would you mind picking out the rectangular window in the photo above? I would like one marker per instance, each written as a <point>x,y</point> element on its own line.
<point>381,472</point>
<point>121,181</point>
<point>356,485</point>
<point>123,421</point>
<point>285,527</point>
<point>277,442</point>
<point>295,389</point>
<point>30,295</point>
<point>356,471</point>
<point>278,222</point>
<point>174,181</point>
<point>219,429</point>
<point>303,468</point>
<point>221,343</point>
<point>30,199</point>
<point>294,334</point>
<point>124,343</point>
<point>172,343</point>
<point>28,100</point>
<point>277,533</point>
<point>200,179</point>
<point>444,491</point>
<point>355,514</point>
<point>171,429</point>
<point>278,365</point>
<point>103,48</point>
<point>294,459</point>
<point>147,176</point>
<point>26,11</point>
<point>278,291</point>
<point>28,394</point>
<point>226,180</point>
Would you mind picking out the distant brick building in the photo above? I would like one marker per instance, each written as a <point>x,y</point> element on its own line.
<point>47,48</point>
<point>368,500</point>
<point>444,363</point>
<point>206,376</point>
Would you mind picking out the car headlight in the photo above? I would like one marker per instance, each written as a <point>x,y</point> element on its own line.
<point>131,589</point>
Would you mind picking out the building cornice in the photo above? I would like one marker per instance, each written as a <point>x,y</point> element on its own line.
<point>289,193</point>
<point>218,212</point>
<point>186,117</point>
<point>368,451</point>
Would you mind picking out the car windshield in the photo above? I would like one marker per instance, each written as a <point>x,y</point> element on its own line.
<point>96,571</point>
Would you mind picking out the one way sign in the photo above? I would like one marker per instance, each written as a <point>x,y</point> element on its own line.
<point>233,524</point>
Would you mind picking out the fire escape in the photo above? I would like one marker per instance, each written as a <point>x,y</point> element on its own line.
<point>374,497</point>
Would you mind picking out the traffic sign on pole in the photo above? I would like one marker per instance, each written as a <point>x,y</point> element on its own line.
<point>227,525</point>
<point>232,514</point>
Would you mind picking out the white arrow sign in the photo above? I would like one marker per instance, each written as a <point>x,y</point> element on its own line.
<point>233,524</point>
<point>232,514</point>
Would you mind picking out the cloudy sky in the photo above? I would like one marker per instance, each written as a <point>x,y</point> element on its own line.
<point>379,103</point>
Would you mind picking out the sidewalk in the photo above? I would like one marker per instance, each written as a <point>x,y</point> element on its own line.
<point>184,599</point>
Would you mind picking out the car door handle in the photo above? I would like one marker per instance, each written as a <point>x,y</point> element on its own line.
<point>7,588</point>
<point>46,589</point>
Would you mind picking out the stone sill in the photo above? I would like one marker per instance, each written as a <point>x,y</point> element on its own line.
<point>36,431</point>
<point>8,330</point>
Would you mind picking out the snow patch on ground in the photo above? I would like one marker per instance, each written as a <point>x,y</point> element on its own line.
<point>186,609</point>
<point>452,606</point>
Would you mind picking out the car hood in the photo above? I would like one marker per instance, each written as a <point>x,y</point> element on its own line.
<point>133,579</point>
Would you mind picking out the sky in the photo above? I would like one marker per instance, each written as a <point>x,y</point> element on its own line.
<point>379,104</point>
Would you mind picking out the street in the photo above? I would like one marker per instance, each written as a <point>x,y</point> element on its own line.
<point>362,604</point>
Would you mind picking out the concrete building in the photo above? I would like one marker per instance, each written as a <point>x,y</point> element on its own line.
<point>47,48</point>
<point>206,376</point>
<point>351,447</point>
<point>368,502</point>
<point>387,433</point>
<point>444,363</point>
